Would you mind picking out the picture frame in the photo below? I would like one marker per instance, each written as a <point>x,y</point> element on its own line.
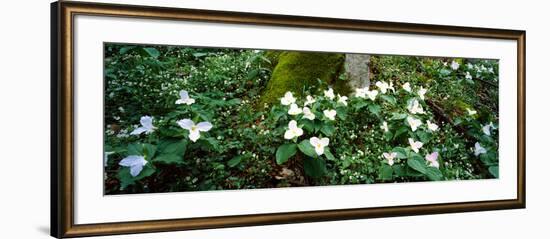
<point>64,122</point>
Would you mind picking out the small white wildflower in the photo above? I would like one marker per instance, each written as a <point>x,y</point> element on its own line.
<point>455,65</point>
<point>294,109</point>
<point>288,99</point>
<point>330,114</point>
<point>329,93</point>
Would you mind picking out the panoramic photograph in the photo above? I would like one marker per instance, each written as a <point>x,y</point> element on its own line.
<point>183,119</point>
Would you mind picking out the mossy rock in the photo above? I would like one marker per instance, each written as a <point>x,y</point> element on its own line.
<point>296,71</point>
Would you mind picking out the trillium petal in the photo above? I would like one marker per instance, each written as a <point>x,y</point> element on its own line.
<point>138,131</point>
<point>292,124</point>
<point>319,150</point>
<point>289,134</point>
<point>147,122</point>
<point>194,135</point>
<point>314,141</point>
<point>486,129</point>
<point>204,126</point>
<point>136,169</point>
<point>324,141</point>
<point>132,160</point>
<point>186,123</point>
<point>184,95</point>
<point>298,132</point>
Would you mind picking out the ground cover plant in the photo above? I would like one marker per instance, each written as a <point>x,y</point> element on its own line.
<point>194,119</point>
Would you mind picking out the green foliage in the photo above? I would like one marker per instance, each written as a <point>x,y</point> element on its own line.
<point>284,152</point>
<point>246,147</point>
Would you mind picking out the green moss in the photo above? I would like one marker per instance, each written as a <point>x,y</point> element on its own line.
<point>298,70</point>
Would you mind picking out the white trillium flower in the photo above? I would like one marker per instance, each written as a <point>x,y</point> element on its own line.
<point>415,145</point>
<point>343,100</point>
<point>486,129</point>
<point>422,92</point>
<point>294,109</point>
<point>414,123</point>
<point>194,129</point>
<point>390,157</point>
<point>468,76</point>
<point>309,100</point>
<point>361,92</point>
<point>146,126</point>
<point>135,162</point>
<point>415,107</point>
<point>407,87</point>
<point>293,130</point>
<point>372,94</point>
<point>385,126</point>
<point>383,86</point>
<point>431,126</point>
<point>432,159</point>
<point>479,149</point>
<point>319,144</point>
<point>184,98</point>
<point>471,112</point>
<point>455,65</point>
<point>288,99</point>
<point>329,93</point>
<point>308,114</point>
<point>330,114</point>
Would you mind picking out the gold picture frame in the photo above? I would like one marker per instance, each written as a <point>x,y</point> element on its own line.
<point>62,128</point>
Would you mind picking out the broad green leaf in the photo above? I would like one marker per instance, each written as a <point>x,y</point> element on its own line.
<point>284,152</point>
<point>329,154</point>
<point>307,125</point>
<point>386,172</point>
<point>149,151</point>
<point>127,179</point>
<point>401,152</point>
<point>400,131</point>
<point>314,167</point>
<point>152,52</point>
<point>417,164</point>
<point>423,136</point>
<point>171,151</point>
<point>318,124</point>
<point>375,109</point>
<point>177,147</point>
<point>341,112</point>
<point>328,129</point>
<point>388,135</point>
<point>359,105</point>
<point>433,174</point>
<point>389,99</point>
<point>399,170</point>
<point>252,74</point>
<point>306,148</point>
<point>125,49</point>
<point>135,149</point>
<point>494,171</point>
